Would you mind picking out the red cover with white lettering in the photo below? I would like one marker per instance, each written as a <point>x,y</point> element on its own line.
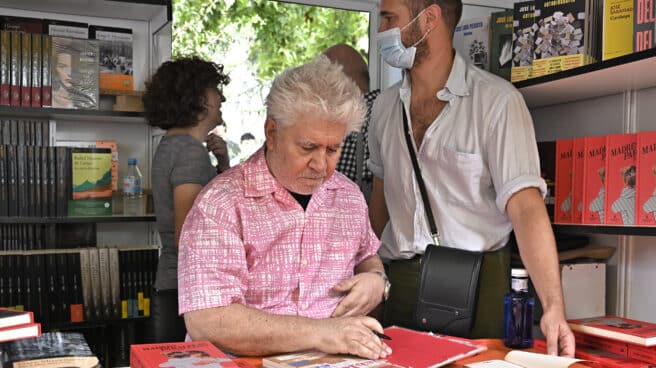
<point>594,176</point>
<point>563,204</point>
<point>423,350</point>
<point>578,155</point>
<point>646,179</point>
<point>620,179</point>
<point>179,354</point>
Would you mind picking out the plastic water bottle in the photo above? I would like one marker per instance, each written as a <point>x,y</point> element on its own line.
<point>518,312</point>
<point>132,190</point>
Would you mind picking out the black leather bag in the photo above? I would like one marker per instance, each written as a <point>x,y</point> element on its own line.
<point>448,290</point>
<point>448,279</point>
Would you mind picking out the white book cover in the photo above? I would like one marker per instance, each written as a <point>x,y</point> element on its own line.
<point>472,41</point>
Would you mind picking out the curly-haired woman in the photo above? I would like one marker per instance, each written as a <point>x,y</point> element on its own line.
<point>184,98</point>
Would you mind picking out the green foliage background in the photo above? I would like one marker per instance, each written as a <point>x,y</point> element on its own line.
<point>284,34</point>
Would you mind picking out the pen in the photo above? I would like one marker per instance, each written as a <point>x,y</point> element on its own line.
<point>382,336</point>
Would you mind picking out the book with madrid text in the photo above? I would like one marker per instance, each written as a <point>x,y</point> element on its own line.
<point>563,204</point>
<point>179,355</point>
<point>594,177</point>
<point>409,349</point>
<point>646,179</point>
<point>620,179</point>
<point>578,156</point>
<point>617,328</point>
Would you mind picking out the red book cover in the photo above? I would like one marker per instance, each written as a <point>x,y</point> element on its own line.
<point>608,360</point>
<point>594,174</point>
<point>617,328</point>
<point>20,332</point>
<point>423,349</point>
<point>642,353</point>
<point>595,342</point>
<point>646,179</point>
<point>620,179</point>
<point>11,317</point>
<point>563,205</point>
<point>578,154</point>
<point>179,354</point>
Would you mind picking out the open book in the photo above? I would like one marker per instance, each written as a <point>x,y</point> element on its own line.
<point>523,359</point>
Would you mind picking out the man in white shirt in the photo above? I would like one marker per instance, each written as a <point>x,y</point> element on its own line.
<point>475,144</point>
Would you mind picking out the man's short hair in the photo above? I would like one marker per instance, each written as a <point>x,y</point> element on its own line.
<point>318,90</point>
<point>451,10</point>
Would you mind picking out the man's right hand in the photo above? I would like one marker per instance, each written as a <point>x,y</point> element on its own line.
<point>219,148</point>
<point>351,335</point>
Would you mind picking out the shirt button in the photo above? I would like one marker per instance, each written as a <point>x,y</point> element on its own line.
<point>304,262</point>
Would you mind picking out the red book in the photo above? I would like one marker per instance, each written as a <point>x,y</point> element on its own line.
<point>608,360</point>
<point>563,204</point>
<point>620,179</point>
<point>617,328</point>
<point>11,317</point>
<point>422,349</point>
<point>594,174</point>
<point>646,179</point>
<point>642,353</point>
<point>179,354</point>
<point>600,343</point>
<point>20,332</point>
<point>578,155</point>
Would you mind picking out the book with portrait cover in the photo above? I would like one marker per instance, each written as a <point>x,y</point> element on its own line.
<point>620,179</point>
<point>51,349</point>
<point>578,155</point>
<point>563,205</point>
<point>594,177</point>
<point>74,73</point>
<point>617,328</point>
<point>115,45</point>
<point>179,355</point>
<point>646,179</point>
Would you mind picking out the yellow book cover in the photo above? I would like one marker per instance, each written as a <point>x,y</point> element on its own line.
<point>92,173</point>
<point>618,28</point>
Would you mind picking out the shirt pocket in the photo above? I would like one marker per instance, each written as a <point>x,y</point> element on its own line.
<point>460,178</point>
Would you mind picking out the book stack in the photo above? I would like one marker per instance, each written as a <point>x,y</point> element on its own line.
<point>613,342</point>
<point>16,325</point>
<point>51,350</point>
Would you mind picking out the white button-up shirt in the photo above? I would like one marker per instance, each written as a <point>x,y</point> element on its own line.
<point>477,153</point>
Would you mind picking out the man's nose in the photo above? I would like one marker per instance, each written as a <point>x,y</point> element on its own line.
<point>318,162</point>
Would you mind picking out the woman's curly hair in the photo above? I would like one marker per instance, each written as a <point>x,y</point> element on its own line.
<point>175,95</point>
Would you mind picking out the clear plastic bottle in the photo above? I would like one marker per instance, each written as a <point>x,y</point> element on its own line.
<point>518,312</point>
<point>132,190</point>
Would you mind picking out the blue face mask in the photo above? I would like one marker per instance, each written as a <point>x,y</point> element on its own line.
<point>392,49</point>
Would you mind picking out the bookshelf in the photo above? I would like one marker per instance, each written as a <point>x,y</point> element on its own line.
<point>605,229</point>
<point>108,336</point>
<point>629,72</point>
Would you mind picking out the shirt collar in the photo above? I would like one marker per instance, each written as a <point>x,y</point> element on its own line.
<point>456,84</point>
<point>258,180</point>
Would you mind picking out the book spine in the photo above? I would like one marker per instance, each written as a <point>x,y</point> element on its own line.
<point>21,180</point>
<point>4,199</point>
<point>12,181</point>
<point>611,346</point>
<point>26,69</point>
<point>94,271</point>
<point>46,80</point>
<point>115,282</point>
<point>85,277</point>
<point>75,287</point>
<point>5,67</point>
<point>36,69</point>
<point>31,176</point>
<point>105,287</point>
<point>642,353</point>
<point>15,69</point>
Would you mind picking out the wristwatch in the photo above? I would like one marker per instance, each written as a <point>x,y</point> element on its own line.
<point>388,285</point>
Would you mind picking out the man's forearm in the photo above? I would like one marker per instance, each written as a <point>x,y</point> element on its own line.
<point>378,214</point>
<point>537,246</point>
<point>370,264</point>
<point>246,331</point>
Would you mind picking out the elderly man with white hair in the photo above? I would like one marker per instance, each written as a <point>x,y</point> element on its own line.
<point>277,254</point>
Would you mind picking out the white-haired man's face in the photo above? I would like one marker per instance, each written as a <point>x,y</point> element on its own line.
<point>303,155</point>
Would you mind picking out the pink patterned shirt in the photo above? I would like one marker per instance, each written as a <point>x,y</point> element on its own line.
<point>247,240</point>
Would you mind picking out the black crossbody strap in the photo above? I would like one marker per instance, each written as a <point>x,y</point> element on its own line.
<point>420,180</point>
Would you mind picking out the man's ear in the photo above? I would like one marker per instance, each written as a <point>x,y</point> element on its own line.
<point>433,18</point>
<point>270,127</point>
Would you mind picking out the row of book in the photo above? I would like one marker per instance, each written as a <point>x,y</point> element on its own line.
<point>55,63</point>
<point>541,37</point>
<point>15,325</point>
<point>613,342</point>
<point>22,237</point>
<point>76,285</point>
<point>606,180</point>
<point>40,181</point>
<point>21,132</point>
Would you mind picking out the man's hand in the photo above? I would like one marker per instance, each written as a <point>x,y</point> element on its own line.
<point>560,339</point>
<point>351,335</point>
<point>365,292</point>
<point>219,148</point>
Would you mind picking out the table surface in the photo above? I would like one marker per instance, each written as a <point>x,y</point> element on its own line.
<point>495,350</point>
